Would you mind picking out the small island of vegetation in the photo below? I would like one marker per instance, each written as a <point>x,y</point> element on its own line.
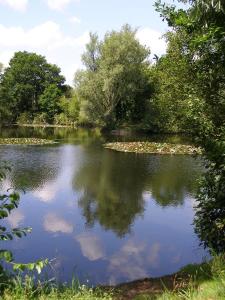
<point>153,148</point>
<point>25,141</point>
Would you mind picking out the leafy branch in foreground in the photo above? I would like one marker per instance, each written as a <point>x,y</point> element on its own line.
<point>8,202</point>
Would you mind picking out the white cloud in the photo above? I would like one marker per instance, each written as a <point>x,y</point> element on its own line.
<point>46,193</point>
<point>43,35</point>
<point>129,261</point>
<point>91,246</point>
<point>19,5</point>
<point>46,39</point>
<point>15,218</point>
<point>5,57</point>
<point>75,20</point>
<point>152,39</point>
<point>65,50</point>
<point>153,257</point>
<point>54,223</point>
<point>59,5</point>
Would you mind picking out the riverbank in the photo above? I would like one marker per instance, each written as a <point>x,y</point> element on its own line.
<point>41,125</point>
<point>194,282</point>
<point>117,131</point>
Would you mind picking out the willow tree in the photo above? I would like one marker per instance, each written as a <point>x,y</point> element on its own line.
<point>115,84</point>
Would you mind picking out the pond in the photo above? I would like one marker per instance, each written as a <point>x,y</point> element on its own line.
<point>101,216</point>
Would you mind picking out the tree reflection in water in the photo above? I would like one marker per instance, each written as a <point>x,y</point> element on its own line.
<point>113,185</point>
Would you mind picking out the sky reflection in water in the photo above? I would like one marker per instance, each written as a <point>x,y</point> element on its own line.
<point>103,216</point>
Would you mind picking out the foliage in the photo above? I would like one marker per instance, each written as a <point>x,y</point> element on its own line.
<point>8,202</point>
<point>172,77</point>
<point>4,111</point>
<point>203,91</point>
<point>70,107</point>
<point>24,118</point>
<point>92,55</point>
<point>1,69</point>
<point>115,86</point>
<point>204,50</point>
<point>25,80</point>
<point>21,290</point>
<point>61,119</point>
<point>49,101</point>
<point>40,119</point>
<point>210,214</point>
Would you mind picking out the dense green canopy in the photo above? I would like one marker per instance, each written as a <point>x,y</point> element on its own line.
<point>115,86</point>
<point>24,81</point>
<point>199,30</point>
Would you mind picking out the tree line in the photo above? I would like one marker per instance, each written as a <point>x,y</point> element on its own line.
<point>184,90</point>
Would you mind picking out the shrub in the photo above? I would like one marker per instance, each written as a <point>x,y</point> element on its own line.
<point>24,118</point>
<point>61,119</point>
<point>41,118</point>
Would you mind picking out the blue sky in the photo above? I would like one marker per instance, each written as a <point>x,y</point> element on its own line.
<point>59,29</point>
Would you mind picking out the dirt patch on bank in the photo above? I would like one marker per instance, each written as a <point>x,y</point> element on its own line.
<point>149,286</point>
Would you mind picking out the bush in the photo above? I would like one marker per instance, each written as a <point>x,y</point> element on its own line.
<point>61,119</point>
<point>70,108</point>
<point>41,119</point>
<point>24,118</point>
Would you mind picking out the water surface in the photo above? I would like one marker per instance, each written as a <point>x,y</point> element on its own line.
<point>102,216</point>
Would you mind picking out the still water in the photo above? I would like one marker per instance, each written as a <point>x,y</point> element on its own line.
<point>102,216</point>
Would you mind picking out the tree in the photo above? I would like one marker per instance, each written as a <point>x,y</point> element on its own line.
<point>115,85</point>
<point>25,80</point>
<point>49,101</point>
<point>70,110</point>
<point>173,80</point>
<point>1,68</point>
<point>4,112</point>
<point>91,57</point>
<point>204,23</point>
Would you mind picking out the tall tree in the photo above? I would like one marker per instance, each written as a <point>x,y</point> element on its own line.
<point>115,84</point>
<point>24,81</point>
<point>1,68</point>
<point>203,22</point>
<point>173,80</point>
<point>91,57</point>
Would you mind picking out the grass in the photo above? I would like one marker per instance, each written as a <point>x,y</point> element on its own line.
<point>203,282</point>
<point>194,282</point>
<point>25,141</point>
<point>27,290</point>
<point>153,148</point>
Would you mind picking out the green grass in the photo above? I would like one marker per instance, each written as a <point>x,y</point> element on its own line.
<point>204,282</point>
<point>27,290</point>
<point>194,282</point>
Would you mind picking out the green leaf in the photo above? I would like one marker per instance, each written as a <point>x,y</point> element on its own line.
<point>6,255</point>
